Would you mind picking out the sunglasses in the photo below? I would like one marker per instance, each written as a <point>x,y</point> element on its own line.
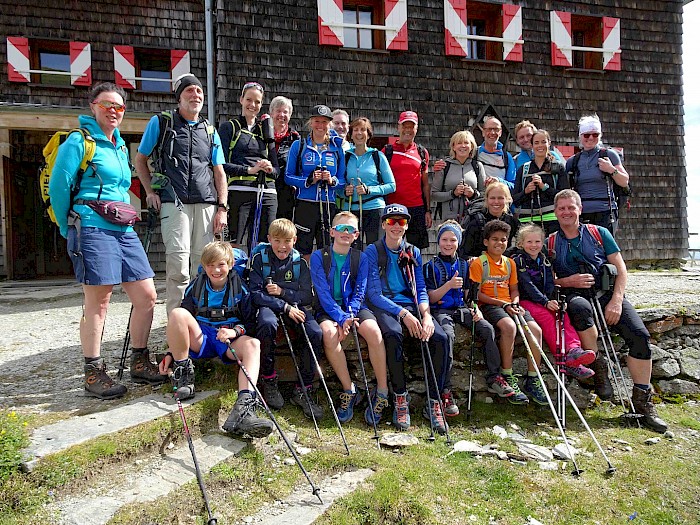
<point>391,221</point>
<point>345,228</point>
<point>589,135</point>
<point>106,105</point>
<point>255,85</point>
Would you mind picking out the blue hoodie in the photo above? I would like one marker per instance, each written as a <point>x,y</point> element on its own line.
<point>363,169</point>
<point>112,164</point>
<point>333,159</point>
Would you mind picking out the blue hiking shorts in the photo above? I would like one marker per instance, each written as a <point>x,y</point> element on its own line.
<point>106,257</point>
<point>210,346</point>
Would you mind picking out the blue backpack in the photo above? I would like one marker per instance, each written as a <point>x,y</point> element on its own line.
<point>264,249</point>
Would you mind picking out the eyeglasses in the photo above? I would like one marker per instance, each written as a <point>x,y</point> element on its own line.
<point>255,85</point>
<point>106,105</point>
<point>345,228</point>
<point>391,221</point>
<point>492,130</point>
<point>589,135</point>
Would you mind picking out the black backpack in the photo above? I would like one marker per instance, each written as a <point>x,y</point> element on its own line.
<point>622,195</point>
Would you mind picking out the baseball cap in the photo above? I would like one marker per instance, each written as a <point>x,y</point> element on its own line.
<point>408,116</point>
<point>183,82</point>
<point>396,210</point>
<point>322,111</point>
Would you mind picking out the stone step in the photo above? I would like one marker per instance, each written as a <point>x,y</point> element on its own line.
<point>76,430</point>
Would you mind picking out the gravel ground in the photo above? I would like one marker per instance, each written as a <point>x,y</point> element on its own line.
<point>42,365</point>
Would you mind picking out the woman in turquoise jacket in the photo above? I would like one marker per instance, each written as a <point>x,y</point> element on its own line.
<point>368,178</point>
<point>104,254</point>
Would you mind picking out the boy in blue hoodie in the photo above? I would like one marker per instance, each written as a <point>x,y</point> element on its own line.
<point>339,275</point>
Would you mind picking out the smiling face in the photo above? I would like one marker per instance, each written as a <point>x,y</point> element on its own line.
<point>191,101</point>
<point>108,119</point>
<point>217,273</point>
<point>540,145</point>
<point>340,124</point>
<point>359,134</point>
<point>496,244</point>
<point>524,138</point>
<point>280,117</point>
<point>345,238</point>
<point>394,232</point>
<point>567,211</point>
<point>462,150</point>
<point>492,132</point>
<point>407,132</point>
<point>532,244</point>
<point>496,201</point>
<point>251,102</point>
<point>319,127</point>
<point>448,244</point>
<point>281,247</point>
<point>589,140</point>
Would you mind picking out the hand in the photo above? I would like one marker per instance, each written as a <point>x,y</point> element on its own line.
<point>552,306</point>
<point>220,220</point>
<point>439,165</point>
<point>582,280</point>
<point>428,327</point>
<point>530,187</point>
<point>153,201</point>
<point>613,311</point>
<point>349,189</point>
<point>318,175</point>
<point>326,176</point>
<point>263,165</point>
<point>459,189</point>
<point>296,314</point>
<point>224,335</point>
<point>362,190</point>
<point>273,289</point>
<point>489,180</point>
<point>164,365</point>
<point>468,191</point>
<point>605,165</point>
<point>428,219</point>
<point>456,282</point>
<point>476,314</point>
<point>413,325</point>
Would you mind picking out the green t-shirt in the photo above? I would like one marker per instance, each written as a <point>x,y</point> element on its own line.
<point>337,277</point>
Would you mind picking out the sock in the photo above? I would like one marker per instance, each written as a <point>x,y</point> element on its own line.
<point>181,363</point>
<point>506,371</point>
<point>383,391</point>
<point>531,373</point>
<point>274,374</point>
<point>252,394</point>
<point>353,389</point>
<point>642,387</point>
<point>89,360</point>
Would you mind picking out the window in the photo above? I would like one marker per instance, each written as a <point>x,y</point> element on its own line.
<point>483,31</point>
<point>363,24</point>
<point>50,62</point>
<point>585,42</point>
<point>149,69</point>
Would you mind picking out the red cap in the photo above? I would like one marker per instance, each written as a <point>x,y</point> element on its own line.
<point>408,116</point>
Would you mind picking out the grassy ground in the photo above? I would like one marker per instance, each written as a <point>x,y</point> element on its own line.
<point>418,485</point>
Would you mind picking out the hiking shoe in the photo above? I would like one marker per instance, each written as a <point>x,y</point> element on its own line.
<point>518,398</point>
<point>401,418</point>
<point>577,372</point>
<point>433,413</point>
<point>534,388</point>
<point>347,401</point>
<point>578,356</point>
<point>99,384</point>
<point>641,400</point>
<point>183,379</point>
<point>377,403</point>
<point>311,408</point>
<point>243,421</point>
<point>500,387</point>
<point>271,392</point>
<point>601,381</point>
<point>143,371</point>
<point>448,403</point>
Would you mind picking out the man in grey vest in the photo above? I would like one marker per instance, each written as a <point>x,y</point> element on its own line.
<point>189,183</point>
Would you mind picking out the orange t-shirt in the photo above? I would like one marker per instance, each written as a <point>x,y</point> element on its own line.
<point>498,284</point>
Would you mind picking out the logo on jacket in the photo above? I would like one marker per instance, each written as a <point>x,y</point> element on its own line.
<point>288,276</point>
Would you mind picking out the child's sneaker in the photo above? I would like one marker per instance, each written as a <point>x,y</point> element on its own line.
<point>577,372</point>
<point>401,417</point>
<point>449,405</point>
<point>311,408</point>
<point>432,412</point>
<point>377,403</point>
<point>243,421</point>
<point>518,398</point>
<point>578,356</point>
<point>347,401</point>
<point>534,388</point>
<point>500,387</point>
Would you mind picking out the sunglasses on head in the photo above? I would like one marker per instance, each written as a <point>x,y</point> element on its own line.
<point>107,105</point>
<point>391,221</point>
<point>345,228</point>
<point>255,85</point>
<point>589,135</point>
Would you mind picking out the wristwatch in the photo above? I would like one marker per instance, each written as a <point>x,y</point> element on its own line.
<point>225,207</point>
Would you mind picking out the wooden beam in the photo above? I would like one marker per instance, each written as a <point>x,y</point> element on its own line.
<point>55,120</point>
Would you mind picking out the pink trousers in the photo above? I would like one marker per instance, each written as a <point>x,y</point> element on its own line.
<point>547,321</point>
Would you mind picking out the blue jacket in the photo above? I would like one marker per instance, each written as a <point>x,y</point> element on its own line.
<point>362,169</point>
<point>295,292</point>
<point>437,272</point>
<point>483,156</point>
<point>535,277</point>
<point>353,287</point>
<point>590,252</point>
<point>332,159</point>
<point>112,163</point>
<point>390,292</point>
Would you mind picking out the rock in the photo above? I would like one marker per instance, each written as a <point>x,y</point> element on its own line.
<point>665,368</point>
<point>561,451</point>
<point>533,521</point>
<point>520,366</point>
<point>302,451</point>
<point>467,446</point>
<point>627,449</point>
<point>398,440</point>
<point>679,386</point>
<point>499,432</point>
<point>502,455</point>
<point>535,452</point>
<point>665,325</point>
<point>548,465</point>
<point>690,363</point>
<point>689,329</point>
<point>620,441</point>
<point>658,353</point>
<point>289,461</point>
<point>518,438</point>
<point>669,435</point>
<point>652,441</point>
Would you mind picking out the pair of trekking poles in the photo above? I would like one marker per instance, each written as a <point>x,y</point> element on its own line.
<point>361,242</point>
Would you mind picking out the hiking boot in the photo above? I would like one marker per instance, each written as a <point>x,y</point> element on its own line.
<point>99,384</point>
<point>578,356</point>
<point>641,400</point>
<point>243,421</point>
<point>311,408</point>
<point>401,418</point>
<point>347,401</point>
<point>271,392</point>
<point>448,403</point>
<point>518,398</point>
<point>500,387</point>
<point>534,388</point>
<point>601,381</point>
<point>434,415</point>
<point>143,371</point>
<point>377,403</point>
<point>577,372</point>
<point>183,379</point>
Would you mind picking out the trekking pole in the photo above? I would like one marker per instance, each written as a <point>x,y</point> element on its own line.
<point>611,469</point>
<point>559,354</point>
<point>364,376</point>
<point>151,221</point>
<point>520,323</point>
<point>328,215</point>
<point>255,234</point>
<point>197,471</point>
<point>299,376</point>
<point>539,205</point>
<point>471,362</point>
<point>314,489</point>
<point>359,200</point>
<point>325,386</point>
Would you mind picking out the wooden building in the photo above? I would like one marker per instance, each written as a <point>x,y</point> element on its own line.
<point>452,61</point>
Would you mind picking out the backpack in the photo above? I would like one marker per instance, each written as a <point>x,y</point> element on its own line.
<point>238,129</point>
<point>622,195</point>
<point>552,239</point>
<point>167,133</point>
<point>389,152</point>
<point>506,162</point>
<point>485,270</point>
<point>234,287</point>
<point>50,153</point>
<point>264,248</point>
<point>382,261</point>
<point>477,172</point>
<point>354,261</point>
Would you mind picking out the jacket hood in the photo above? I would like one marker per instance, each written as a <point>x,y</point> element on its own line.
<point>90,123</point>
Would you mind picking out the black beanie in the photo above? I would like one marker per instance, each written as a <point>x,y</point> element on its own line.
<point>182,83</point>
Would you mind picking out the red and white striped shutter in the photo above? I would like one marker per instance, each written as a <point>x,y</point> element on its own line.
<point>330,11</point>
<point>396,21</point>
<point>611,44</point>
<point>80,64</point>
<point>18,59</point>
<point>456,27</point>
<point>512,30</point>
<point>179,63</point>
<point>124,67</point>
<point>560,22</point>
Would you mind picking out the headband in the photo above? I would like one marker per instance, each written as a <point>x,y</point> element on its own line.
<point>451,228</point>
<point>589,125</point>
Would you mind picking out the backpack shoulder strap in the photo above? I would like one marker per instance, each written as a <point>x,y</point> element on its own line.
<point>573,172</point>
<point>485,269</point>
<point>347,157</point>
<point>296,264</point>
<point>375,157</point>
<point>551,242</point>
<point>423,157</point>
<point>355,256</point>
<point>388,152</point>
<point>326,254</point>
<point>595,232</point>
<point>235,135</point>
